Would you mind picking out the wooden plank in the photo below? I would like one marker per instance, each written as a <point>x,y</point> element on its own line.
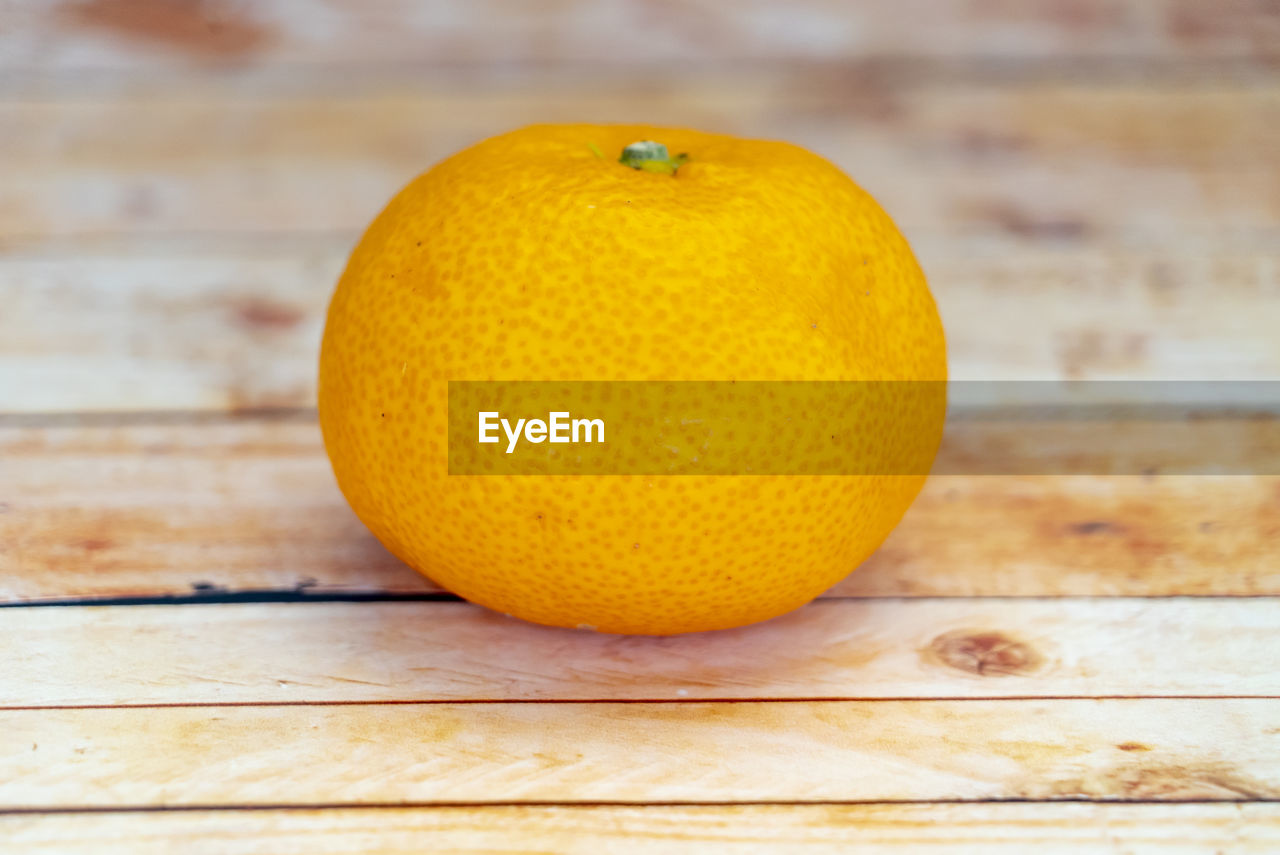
<point>146,35</point>
<point>1150,162</point>
<point>960,648</point>
<point>110,510</point>
<point>1040,313</point>
<point>1122,750</point>
<point>218,328</point>
<point>1054,829</point>
<point>234,324</point>
<point>153,509</point>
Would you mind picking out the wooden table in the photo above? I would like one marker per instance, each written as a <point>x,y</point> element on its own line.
<point>203,650</point>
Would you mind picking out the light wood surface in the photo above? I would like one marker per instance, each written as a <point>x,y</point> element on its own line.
<point>212,324</point>
<point>1134,749</point>
<point>117,508</point>
<point>1126,162</point>
<point>349,652</point>
<point>1093,188</point>
<point>146,35</point>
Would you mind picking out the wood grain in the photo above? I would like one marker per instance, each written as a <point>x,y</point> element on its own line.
<point>222,327</point>
<point>1054,829</point>
<point>854,649</point>
<point>1161,750</point>
<point>152,35</point>
<point>152,509</point>
<point>235,324</point>
<point>1145,163</point>
<point>1091,186</point>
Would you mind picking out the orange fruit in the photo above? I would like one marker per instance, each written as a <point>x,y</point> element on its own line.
<point>537,255</point>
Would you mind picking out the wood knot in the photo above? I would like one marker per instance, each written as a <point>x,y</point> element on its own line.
<point>259,313</point>
<point>1094,527</point>
<point>1133,746</point>
<point>983,652</point>
<point>200,27</point>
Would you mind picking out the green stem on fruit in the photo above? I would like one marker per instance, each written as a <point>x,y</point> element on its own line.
<point>651,157</point>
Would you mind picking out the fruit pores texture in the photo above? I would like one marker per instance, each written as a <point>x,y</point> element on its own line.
<point>529,257</point>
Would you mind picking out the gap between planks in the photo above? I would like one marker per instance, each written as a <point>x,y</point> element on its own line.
<point>638,702</point>
<point>301,596</point>
<point>1233,806</point>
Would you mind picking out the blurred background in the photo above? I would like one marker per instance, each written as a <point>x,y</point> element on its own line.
<point>1092,187</point>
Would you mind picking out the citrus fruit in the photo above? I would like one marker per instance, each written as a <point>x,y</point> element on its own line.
<point>541,255</point>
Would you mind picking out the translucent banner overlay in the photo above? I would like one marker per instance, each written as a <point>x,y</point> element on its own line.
<point>864,428</point>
